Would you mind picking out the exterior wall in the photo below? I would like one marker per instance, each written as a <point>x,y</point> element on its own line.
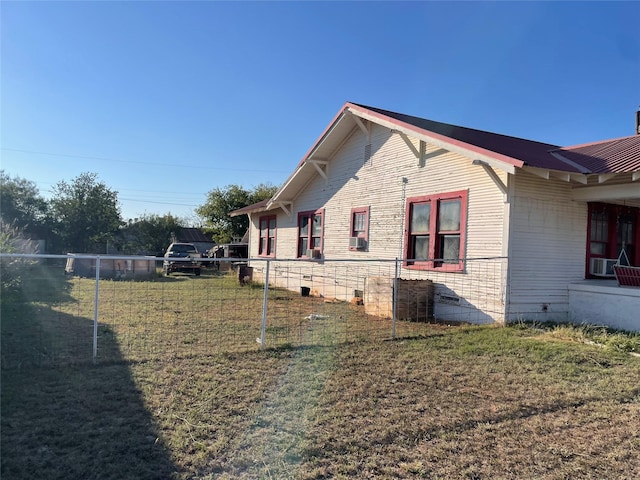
<point>547,248</point>
<point>604,303</point>
<point>379,185</point>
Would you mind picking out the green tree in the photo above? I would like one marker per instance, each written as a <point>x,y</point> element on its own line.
<point>221,201</point>
<point>149,234</point>
<point>22,206</point>
<point>86,214</point>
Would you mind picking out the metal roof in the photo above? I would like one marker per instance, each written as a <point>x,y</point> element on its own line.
<point>497,150</point>
<point>619,155</point>
<point>519,150</point>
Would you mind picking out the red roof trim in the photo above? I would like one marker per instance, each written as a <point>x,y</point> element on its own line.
<point>324,133</point>
<point>256,207</point>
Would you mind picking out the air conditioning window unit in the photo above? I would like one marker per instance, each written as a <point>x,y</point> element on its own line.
<point>356,242</point>
<point>313,253</point>
<point>602,267</point>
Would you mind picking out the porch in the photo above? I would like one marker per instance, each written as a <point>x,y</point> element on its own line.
<point>603,302</point>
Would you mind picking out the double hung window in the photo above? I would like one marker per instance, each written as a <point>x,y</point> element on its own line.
<point>436,227</point>
<point>267,246</point>
<point>310,232</point>
<point>359,228</point>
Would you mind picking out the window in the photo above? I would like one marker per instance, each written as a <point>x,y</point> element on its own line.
<point>310,232</point>
<point>267,246</point>
<point>359,227</point>
<point>435,235</point>
<point>613,228</point>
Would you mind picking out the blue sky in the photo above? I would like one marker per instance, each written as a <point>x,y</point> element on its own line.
<point>166,101</point>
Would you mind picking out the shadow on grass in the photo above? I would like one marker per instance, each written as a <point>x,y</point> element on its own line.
<point>61,416</point>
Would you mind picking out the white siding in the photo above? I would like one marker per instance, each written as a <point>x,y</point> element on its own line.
<point>547,248</point>
<point>379,185</point>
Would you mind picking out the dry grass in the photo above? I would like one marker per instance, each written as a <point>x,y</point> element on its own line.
<point>453,402</point>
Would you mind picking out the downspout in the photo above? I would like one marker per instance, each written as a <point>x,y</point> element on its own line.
<point>506,247</point>
<point>399,258</point>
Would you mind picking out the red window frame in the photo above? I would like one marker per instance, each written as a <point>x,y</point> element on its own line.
<point>364,233</point>
<point>436,236</point>
<point>310,238</point>
<point>267,236</point>
<point>603,233</point>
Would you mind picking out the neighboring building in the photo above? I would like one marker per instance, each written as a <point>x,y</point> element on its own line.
<point>196,237</point>
<point>380,185</point>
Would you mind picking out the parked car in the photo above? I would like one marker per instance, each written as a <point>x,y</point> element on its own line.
<point>182,257</point>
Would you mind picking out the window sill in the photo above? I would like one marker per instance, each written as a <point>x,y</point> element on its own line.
<point>429,266</point>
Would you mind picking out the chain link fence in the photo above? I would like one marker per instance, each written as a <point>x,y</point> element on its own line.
<point>60,310</point>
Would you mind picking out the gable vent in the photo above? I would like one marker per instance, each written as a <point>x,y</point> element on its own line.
<point>367,154</point>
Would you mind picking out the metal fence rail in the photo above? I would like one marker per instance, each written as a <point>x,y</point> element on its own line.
<point>124,309</point>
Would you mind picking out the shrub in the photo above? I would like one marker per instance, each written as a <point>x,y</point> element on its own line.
<point>12,240</point>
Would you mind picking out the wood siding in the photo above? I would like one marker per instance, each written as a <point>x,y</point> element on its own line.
<point>379,186</point>
<point>547,248</point>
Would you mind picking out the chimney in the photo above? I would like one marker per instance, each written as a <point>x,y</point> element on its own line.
<point>638,122</point>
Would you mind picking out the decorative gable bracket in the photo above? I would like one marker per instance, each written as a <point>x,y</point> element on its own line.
<point>283,206</point>
<point>419,154</point>
<point>494,176</point>
<point>361,125</point>
<point>321,167</point>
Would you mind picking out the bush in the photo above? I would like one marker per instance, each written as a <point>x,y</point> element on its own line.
<point>12,240</point>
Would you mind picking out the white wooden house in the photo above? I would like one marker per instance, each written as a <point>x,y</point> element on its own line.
<point>382,185</point>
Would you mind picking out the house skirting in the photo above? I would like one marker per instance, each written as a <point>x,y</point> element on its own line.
<point>603,302</point>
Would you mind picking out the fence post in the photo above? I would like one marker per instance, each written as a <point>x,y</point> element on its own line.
<point>395,300</point>
<point>265,304</point>
<point>95,311</point>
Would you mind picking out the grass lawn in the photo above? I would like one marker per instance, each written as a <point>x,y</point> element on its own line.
<point>452,402</point>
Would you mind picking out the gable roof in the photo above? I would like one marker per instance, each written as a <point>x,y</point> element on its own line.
<point>256,207</point>
<point>514,150</point>
<point>496,150</point>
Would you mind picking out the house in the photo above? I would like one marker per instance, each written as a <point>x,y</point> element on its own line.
<point>381,185</point>
<point>195,236</point>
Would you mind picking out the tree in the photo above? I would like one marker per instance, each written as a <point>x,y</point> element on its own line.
<point>22,206</point>
<point>150,234</point>
<point>86,214</point>
<point>221,201</point>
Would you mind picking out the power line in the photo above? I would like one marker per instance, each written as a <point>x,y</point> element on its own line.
<point>88,157</point>
<point>153,201</point>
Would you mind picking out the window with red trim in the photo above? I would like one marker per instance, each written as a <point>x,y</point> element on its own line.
<point>613,228</point>
<point>310,232</point>
<point>267,245</point>
<point>359,225</point>
<point>435,233</point>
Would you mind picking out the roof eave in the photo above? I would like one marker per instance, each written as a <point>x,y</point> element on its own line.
<point>494,159</point>
<point>468,150</point>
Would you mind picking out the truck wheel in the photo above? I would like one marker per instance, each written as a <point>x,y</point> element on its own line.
<point>197,272</point>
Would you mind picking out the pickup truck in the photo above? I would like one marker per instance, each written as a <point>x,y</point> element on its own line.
<point>182,251</point>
